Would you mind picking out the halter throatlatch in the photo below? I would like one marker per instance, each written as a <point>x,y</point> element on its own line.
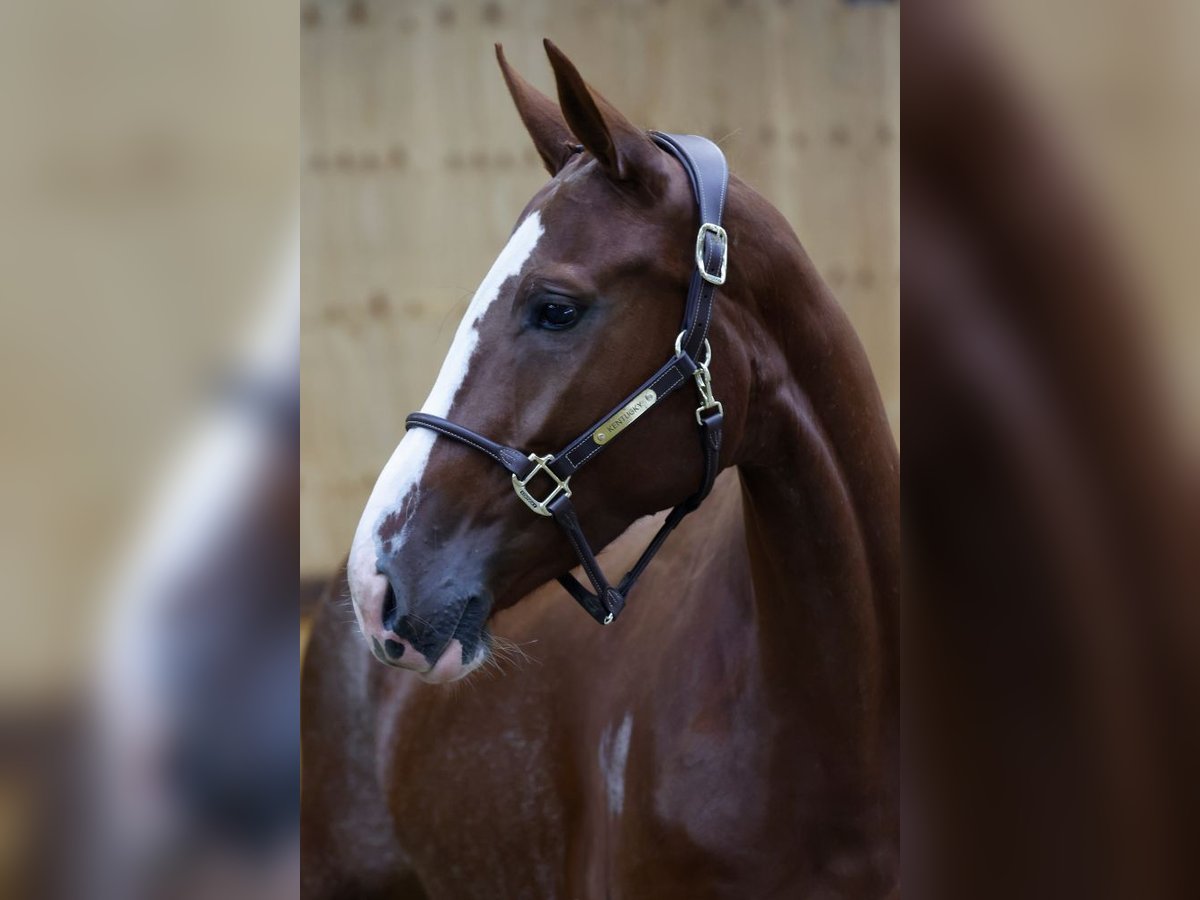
<point>705,165</point>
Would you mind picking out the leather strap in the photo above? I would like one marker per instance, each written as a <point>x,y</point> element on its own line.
<point>606,598</point>
<point>705,164</point>
<point>673,375</point>
<point>709,176</point>
<point>509,457</point>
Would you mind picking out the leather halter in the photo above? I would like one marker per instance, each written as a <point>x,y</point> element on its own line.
<point>709,175</point>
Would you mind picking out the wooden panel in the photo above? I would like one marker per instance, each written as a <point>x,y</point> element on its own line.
<point>415,167</point>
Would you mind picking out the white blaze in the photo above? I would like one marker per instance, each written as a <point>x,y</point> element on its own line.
<point>403,471</point>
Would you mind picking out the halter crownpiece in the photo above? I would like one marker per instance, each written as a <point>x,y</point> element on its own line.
<point>709,175</point>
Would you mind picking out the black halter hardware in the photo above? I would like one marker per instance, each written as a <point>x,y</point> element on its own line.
<point>705,165</point>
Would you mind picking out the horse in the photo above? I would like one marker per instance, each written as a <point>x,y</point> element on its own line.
<point>734,733</point>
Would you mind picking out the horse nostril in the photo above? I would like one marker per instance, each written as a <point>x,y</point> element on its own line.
<point>389,608</point>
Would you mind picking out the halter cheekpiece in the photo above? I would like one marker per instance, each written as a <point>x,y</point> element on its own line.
<point>709,175</point>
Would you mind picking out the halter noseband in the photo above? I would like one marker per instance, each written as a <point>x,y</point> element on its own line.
<point>705,165</point>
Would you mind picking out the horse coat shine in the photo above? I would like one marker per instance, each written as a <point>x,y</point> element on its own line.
<point>731,735</point>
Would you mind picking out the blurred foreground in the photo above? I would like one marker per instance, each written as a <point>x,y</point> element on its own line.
<point>148,453</point>
<point>1050,391</point>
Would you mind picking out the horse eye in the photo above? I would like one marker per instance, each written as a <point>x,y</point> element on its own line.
<point>556,316</point>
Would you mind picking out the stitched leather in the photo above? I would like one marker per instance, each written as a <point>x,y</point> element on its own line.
<point>705,165</point>
<point>709,176</point>
<point>674,373</point>
<point>509,457</point>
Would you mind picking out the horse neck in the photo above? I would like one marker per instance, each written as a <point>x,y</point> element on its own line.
<point>819,471</point>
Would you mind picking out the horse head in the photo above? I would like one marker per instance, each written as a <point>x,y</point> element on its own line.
<point>581,305</point>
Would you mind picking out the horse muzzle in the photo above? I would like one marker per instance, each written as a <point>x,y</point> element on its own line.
<point>441,638</point>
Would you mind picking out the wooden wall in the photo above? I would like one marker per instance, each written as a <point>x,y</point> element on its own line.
<point>415,166</point>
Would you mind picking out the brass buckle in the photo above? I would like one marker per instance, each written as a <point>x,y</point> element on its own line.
<point>719,233</point>
<point>543,465</point>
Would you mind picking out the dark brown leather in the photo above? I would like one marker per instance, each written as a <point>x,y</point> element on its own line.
<point>705,165</point>
<point>511,458</point>
<point>709,175</point>
<point>564,514</point>
<point>674,374</point>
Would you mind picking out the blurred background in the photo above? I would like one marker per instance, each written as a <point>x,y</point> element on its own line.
<point>1116,84</point>
<point>1052,597</point>
<point>148,390</point>
<point>414,167</point>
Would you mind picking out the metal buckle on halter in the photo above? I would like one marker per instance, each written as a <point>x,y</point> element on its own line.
<point>719,233</point>
<point>707,348</point>
<point>543,465</point>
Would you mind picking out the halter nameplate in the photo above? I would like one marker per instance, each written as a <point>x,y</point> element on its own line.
<point>626,417</point>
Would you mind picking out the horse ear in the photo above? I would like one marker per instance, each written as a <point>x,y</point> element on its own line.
<point>624,151</point>
<point>542,118</point>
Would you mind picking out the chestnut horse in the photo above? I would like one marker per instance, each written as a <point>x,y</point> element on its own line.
<point>733,734</point>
